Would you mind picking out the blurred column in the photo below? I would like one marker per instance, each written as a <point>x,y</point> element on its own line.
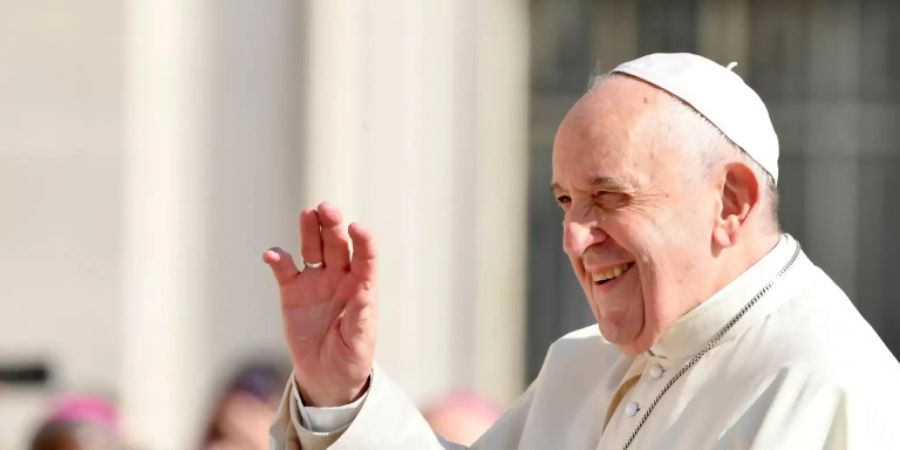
<point>416,120</point>
<point>165,277</point>
<point>252,176</point>
<point>500,194</point>
<point>833,141</point>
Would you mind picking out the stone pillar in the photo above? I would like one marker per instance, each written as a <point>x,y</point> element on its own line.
<point>416,115</point>
<point>164,374</point>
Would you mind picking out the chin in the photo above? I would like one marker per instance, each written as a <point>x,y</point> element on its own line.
<point>620,336</point>
<point>630,340</point>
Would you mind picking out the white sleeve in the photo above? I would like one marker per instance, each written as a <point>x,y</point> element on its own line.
<point>383,419</point>
<point>387,419</point>
<point>325,419</point>
<point>309,428</point>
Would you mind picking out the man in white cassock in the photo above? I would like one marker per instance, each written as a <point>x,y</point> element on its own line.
<point>715,331</point>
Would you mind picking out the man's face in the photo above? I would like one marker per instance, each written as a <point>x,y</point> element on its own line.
<point>638,214</point>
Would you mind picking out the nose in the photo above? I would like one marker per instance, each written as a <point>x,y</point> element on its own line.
<point>578,236</point>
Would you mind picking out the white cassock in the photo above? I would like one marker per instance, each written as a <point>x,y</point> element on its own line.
<point>797,369</point>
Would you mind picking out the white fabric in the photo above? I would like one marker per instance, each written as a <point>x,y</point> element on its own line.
<point>325,419</point>
<point>718,94</point>
<point>801,370</point>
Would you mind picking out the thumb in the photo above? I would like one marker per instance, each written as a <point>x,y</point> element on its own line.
<point>282,265</point>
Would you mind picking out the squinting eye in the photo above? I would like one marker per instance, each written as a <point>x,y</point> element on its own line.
<point>563,199</point>
<point>611,200</point>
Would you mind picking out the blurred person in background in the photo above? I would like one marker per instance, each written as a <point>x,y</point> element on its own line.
<point>245,408</point>
<point>461,417</point>
<point>80,422</point>
<point>714,329</point>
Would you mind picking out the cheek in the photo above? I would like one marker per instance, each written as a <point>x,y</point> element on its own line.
<point>577,267</point>
<point>696,217</point>
<point>654,292</point>
<point>651,251</point>
<point>668,272</point>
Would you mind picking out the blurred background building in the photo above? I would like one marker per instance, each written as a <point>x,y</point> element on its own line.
<point>150,150</point>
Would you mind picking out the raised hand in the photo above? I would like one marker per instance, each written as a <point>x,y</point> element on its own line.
<point>329,311</point>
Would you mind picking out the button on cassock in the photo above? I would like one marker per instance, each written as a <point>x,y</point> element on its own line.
<point>656,371</point>
<point>632,408</point>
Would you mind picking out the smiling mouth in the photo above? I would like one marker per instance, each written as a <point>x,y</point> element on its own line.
<point>600,278</point>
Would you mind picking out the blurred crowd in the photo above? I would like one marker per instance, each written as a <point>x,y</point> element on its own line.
<point>239,416</point>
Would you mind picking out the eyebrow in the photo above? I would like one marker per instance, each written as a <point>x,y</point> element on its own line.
<point>607,183</point>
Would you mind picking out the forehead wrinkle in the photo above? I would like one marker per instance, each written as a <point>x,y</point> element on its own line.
<point>611,129</point>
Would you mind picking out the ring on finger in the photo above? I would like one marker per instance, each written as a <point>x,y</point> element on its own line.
<point>312,265</point>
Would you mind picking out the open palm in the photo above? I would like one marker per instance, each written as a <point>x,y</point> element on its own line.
<point>329,308</point>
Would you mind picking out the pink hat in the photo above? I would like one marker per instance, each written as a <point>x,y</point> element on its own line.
<point>85,409</point>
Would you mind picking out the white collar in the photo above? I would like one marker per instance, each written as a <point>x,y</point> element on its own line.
<point>687,335</point>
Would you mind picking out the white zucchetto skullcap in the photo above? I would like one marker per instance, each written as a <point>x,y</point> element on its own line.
<point>718,94</point>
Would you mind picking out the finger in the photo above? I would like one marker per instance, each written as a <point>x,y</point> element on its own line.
<point>335,242</point>
<point>310,236</point>
<point>363,262</point>
<point>282,265</point>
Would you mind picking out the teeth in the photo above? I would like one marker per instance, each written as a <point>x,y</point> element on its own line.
<point>610,273</point>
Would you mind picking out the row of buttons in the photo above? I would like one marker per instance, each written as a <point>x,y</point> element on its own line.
<point>632,407</point>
